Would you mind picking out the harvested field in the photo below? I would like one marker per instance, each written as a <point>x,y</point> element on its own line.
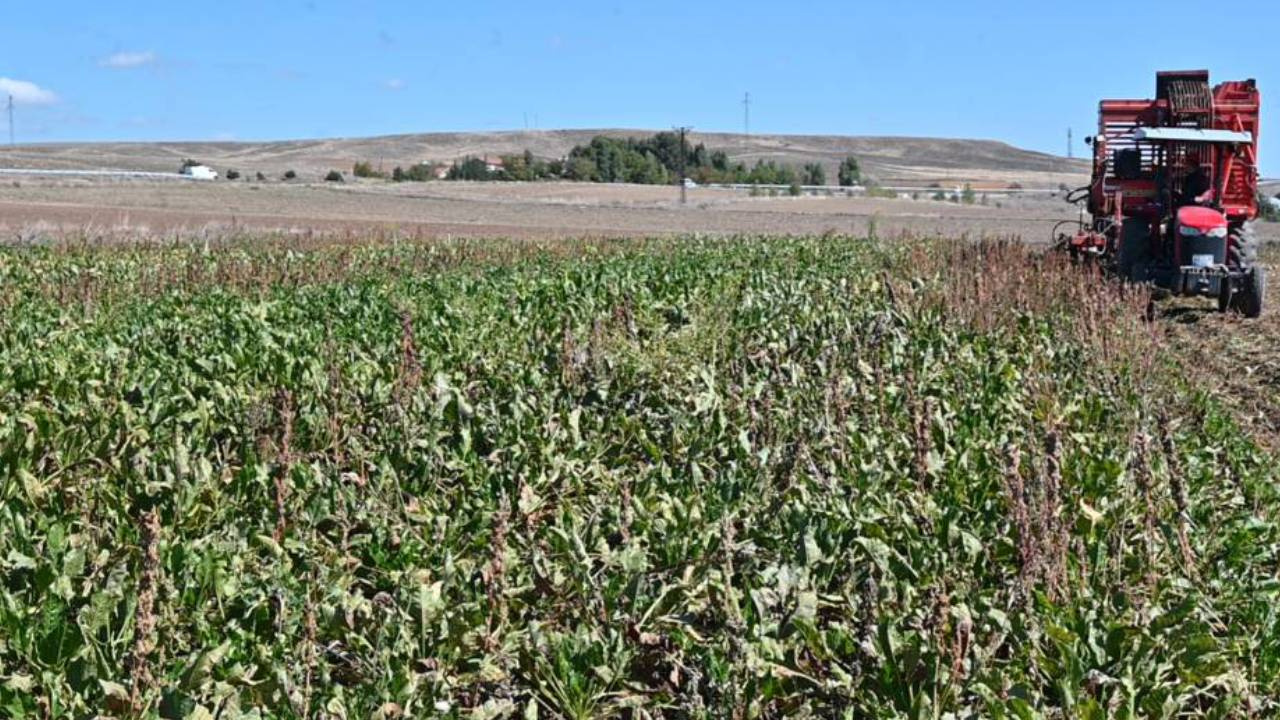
<point>529,210</point>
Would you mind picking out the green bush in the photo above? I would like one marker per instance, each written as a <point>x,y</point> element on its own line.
<point>471,168</point>
<point>290,175</point>
<point>814,174</point>
<point>365,169</point>
<point>333,176</point>
<point>850,173</point>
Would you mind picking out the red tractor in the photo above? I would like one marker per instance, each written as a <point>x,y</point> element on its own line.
<point>1175,190</point>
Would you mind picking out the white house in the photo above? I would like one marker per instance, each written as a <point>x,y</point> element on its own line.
<point>200,172</point>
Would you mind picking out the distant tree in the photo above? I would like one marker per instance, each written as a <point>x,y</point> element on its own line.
<point>419,172</point>
<point>364,169</point>
<point>261,177</point>
<point>581,168</point>
<point>290,175</point>
<point>333,176</point>
<point>471,168</point>
<point>967,196</point>
<point>233,174</point>
<point>850,173</point>
<point>720,161</point>
<point>814,174</point>
<point>940,196</point>
<point>794,189</point>
<point>397,175</point>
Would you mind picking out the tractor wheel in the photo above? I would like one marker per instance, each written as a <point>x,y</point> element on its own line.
<point>1242,247</point>
<point>1242,254</point>
<point>1248,301</point>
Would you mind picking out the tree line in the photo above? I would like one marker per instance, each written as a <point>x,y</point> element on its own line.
<point>656,160</point>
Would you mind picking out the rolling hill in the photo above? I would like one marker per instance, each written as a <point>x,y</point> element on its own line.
<point>887,159</point>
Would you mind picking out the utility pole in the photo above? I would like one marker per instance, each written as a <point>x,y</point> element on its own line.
<point>746,114</point>
<point>10,119</point>
<point>684,191</point>
<point>1071,150</point>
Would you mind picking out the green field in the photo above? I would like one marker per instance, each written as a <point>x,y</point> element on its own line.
<point>733,478</point>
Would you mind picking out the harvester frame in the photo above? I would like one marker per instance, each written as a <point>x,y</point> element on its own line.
<point>1174,190</point>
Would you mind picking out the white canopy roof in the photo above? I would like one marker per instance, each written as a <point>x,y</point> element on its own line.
<point>1193,135</point>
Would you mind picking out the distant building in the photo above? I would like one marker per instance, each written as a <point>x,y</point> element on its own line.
<point>200,172</point>
<point>493,164</point>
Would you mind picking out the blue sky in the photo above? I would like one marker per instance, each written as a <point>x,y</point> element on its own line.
<point>234,69</point>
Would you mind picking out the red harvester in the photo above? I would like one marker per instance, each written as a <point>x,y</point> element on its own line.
<point>1175,190</point>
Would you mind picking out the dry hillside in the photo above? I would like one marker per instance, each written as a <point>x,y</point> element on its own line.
<point>888,159</point>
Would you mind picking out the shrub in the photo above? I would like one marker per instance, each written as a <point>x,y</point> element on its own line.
<point>364,169</point>
<point>967,196</point>
<point>290,175</point>
<point>397,175</point>
<point>420,172</point>
<point>261,177</point>
<point>794,189</point>
<point>233,174</point>
<point>333,176</point>
<point>850,173</point>
<point>814,174</point>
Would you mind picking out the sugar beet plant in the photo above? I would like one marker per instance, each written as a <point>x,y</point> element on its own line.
<point>740,478</point>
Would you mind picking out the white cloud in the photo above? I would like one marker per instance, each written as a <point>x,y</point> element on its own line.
<point>127,60</point>
<point>26,93</point>
<point>394,84</point>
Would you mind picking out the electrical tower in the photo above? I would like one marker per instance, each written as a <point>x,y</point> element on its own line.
<point>684,189</point>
